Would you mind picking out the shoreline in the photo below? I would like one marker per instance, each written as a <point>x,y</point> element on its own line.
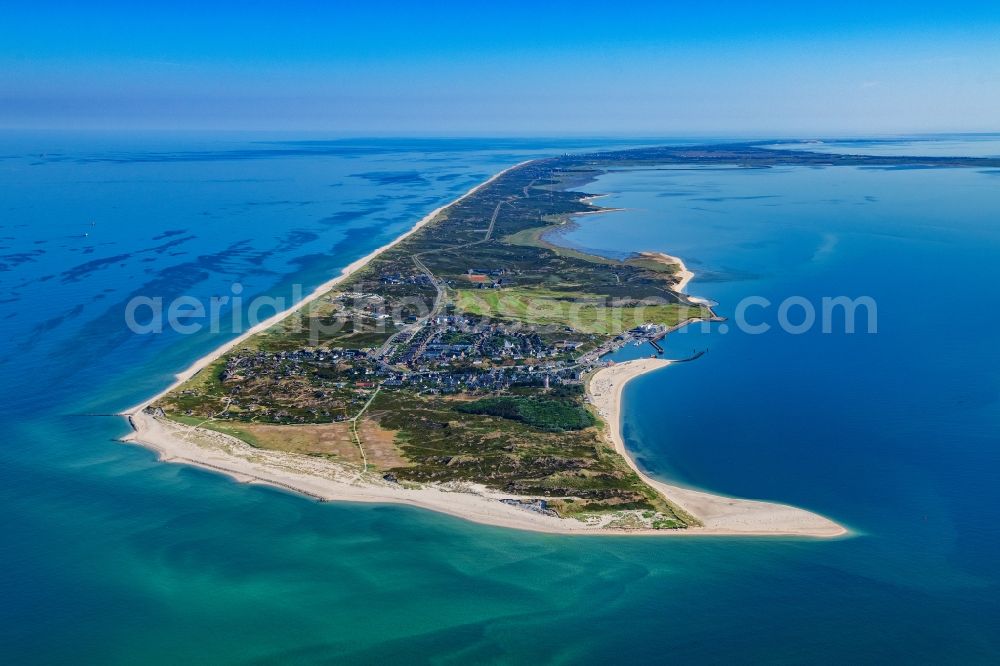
<point>325,480</point>
<point>315,294</point>
<point>717,513</point>
<point>683,272</point>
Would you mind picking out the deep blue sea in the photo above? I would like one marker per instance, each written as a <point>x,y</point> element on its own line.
<point>110,557</point>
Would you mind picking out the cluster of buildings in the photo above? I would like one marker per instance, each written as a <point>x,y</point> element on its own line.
<point>448,354</point>
<point>419,279</point>
<point>489,279</point>
<point>450,339</point>
<point>277,365</point>
<point>491,380</point>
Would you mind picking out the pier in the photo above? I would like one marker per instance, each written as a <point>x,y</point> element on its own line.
<point>655,341</point>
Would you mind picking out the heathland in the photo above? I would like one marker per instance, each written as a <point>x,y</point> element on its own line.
<point>458,360</point>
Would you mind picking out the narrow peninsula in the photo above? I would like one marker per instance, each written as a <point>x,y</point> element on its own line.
<point>461,368</point>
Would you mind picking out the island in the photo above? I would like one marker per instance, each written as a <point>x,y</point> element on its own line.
<point>462,368</point>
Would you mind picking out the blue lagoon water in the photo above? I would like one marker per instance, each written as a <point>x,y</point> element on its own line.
<point>109,556</point>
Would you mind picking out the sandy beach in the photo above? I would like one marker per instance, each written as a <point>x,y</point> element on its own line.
<point>684,275</point>
<point>718,514</point>
<point>327,480</point>
<point>324,480</point>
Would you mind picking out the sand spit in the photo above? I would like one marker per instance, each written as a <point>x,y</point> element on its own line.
<point>327,480</point>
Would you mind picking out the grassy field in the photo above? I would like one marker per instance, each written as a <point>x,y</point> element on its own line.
<point>583,312</point>
<point>534,237</point>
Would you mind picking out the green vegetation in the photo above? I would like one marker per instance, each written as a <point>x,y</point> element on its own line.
<point>579,474</point>
<point>225,427</point>
<point>477,333</point>
<point>472,339</point>
<point>580,311</point>
<point>541,412</point>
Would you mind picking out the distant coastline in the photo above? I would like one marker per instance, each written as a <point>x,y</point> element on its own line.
<point>329,481</point>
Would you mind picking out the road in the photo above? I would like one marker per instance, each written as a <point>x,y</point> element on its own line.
<point>439,298</point>
<point>354,429</point>
<point>493,221</point>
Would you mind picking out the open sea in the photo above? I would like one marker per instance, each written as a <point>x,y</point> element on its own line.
<point>110,557</point>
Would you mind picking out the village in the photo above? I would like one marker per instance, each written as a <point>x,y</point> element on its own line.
<point>448,354</point>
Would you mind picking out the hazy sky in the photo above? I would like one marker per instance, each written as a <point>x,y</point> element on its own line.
<point>505,67</point>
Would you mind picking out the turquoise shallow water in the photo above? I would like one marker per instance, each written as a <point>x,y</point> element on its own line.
<point>109,556</point>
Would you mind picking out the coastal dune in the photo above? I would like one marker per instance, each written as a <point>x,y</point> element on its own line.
<point>328,480</point>
<point>325,480</point>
